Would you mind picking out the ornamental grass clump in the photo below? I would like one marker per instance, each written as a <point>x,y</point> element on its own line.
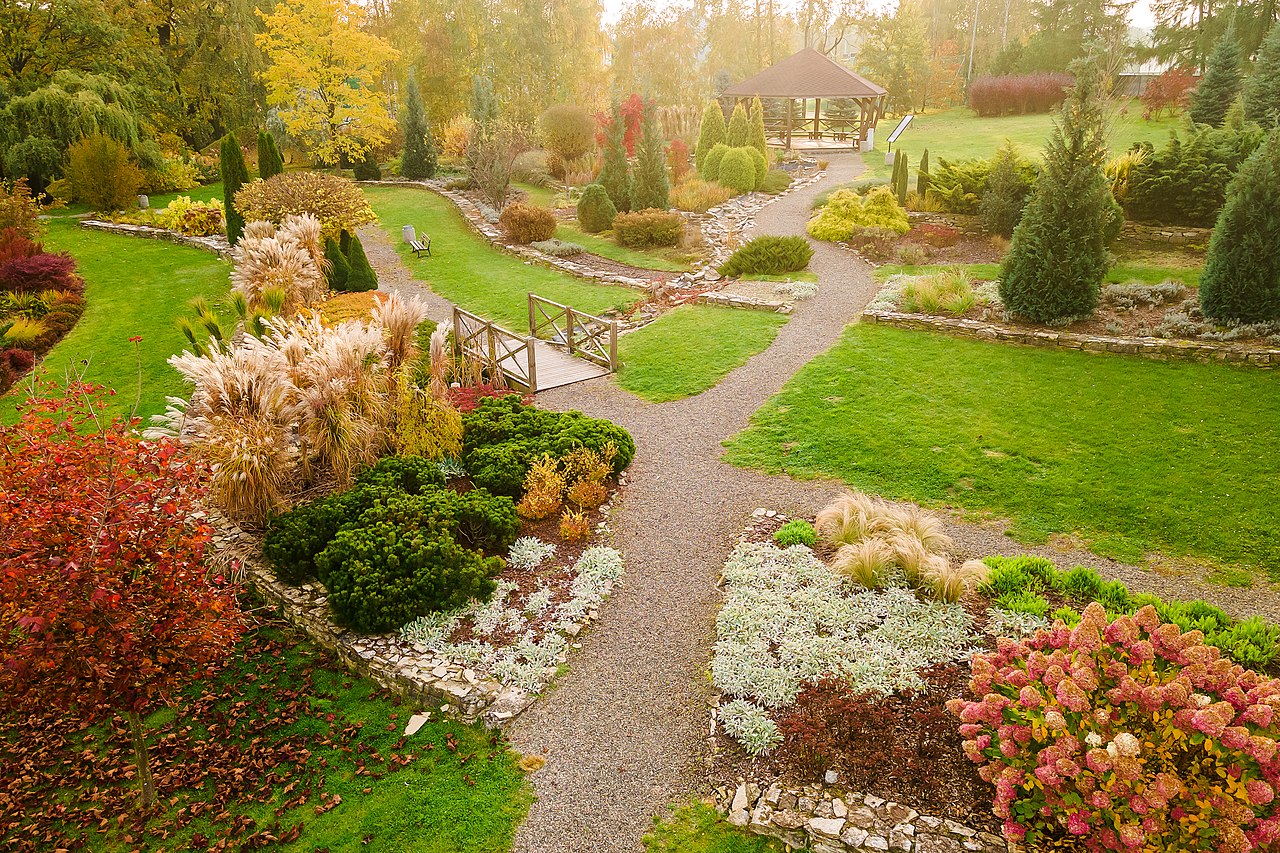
<point>1125,736</point>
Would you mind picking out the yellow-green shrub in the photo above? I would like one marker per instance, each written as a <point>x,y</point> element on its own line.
<point>846,213</point>
<point>737,170</point>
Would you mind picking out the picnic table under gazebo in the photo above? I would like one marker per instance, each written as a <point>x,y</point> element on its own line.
<point>810,75</point>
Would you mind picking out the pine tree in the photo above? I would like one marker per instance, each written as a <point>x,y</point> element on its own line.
<point>270,163</point>
<point>339,266</point>
<point>1220,84</point>
<point>418,161</point>
<point>1058,256</point>
<point>650,188</point>
<point>362,277</point>
<point>235,174</point>
<point>614,174</point>
<point>922,177</point>
<point>711,133</point>
<point>1262,89</point>
<point>755,135</point>
<point>1241,279</point>
<point>738,127</point>
<point>1005,196</point>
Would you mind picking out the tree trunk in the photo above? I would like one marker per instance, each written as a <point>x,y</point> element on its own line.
<point>146,785</point>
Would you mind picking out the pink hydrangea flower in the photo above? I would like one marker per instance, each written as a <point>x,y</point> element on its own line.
<point>1029,697</point>
<point>1258,715</point>
<point>1078,823</point>
<point>1260,793</point>
<point>1013,830</point>
<point>1132,836</point>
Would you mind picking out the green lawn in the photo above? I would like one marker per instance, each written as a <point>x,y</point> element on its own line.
<point>1121,273</point>
<point>698,828</point>
<point>133,287</point>
<point>469,272</point>
<point>688,350</point>
<point>959,134</point>
<point>280,708</point>
<point>205,193</point>
<point>606,248</point>
<point>1136,455</point>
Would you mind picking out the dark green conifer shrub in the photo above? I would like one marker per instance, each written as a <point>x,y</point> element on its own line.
<point>1241,279</point>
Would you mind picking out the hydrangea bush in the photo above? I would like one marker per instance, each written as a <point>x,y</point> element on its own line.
<point>1125,736</point>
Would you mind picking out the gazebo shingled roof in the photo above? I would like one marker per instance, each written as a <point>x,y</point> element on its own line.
<point>807,74</point>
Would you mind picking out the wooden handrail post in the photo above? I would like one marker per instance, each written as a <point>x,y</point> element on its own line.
<point>532,356</point>
<point>568,328</point>
<point>613,347</point>
<point>533,323</point>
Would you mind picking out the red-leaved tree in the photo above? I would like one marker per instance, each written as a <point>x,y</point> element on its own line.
<point>1169,91</point>
<point>105,603</point>
<point>632,114</point>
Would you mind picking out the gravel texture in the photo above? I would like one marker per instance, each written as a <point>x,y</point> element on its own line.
<point>624,731</point>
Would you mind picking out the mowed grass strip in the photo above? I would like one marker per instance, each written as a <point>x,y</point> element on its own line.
<point>133,287</point>
<point>1137,455</point>
<point>691,348</point>
<point>469,272</point>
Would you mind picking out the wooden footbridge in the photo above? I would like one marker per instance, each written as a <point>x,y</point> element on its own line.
<point>563,346</point>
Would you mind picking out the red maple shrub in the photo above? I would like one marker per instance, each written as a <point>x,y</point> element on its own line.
<point>1169,92</point>
<point>1018,94</point>
<point>678,159</point>
<point>15,244</point>
<point>465,398</point>
<point>632,112</point>
<point>40,272</point>
<point>105,603</point>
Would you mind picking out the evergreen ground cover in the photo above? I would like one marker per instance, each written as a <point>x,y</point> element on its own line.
<point>690,349</point>
<point>469,272</point>
<point>960,134</point>
<point>1133,455</point>
<point>133,287</point>
<point>283,742</point>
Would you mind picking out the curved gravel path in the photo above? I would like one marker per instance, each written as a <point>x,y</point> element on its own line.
<point>624,731</point>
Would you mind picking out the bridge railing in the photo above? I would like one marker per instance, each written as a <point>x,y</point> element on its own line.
<point>494,354</point>
<point>584,335</point>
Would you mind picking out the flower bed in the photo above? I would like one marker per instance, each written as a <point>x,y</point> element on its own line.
<point>839,661</point>
<point>41,299</point>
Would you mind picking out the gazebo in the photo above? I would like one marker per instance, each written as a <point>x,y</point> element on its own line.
<point>811,75</point>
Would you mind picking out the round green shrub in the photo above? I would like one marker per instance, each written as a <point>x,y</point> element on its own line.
<point>795,532</point>
<point>293,540</point>
<point>412,475</point>
<point>503,437</point>
<point>760,163</point>
<point>382,576</point>
<point>648,228</point>
<point>737,170</point>
<point>595,209</point>
<point>477,519</point>
<point>711,164</point>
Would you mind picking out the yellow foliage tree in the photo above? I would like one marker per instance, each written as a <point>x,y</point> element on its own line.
<point>323,76</point>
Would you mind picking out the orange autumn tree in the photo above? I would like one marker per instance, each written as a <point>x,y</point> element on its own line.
<point>105,603</point>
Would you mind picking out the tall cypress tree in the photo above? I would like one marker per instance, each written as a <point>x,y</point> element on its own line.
<point>270,163</point>
<point>711,133</point>
<point>361,276</point>
<point>1058,256</point>
<point>419,160</point>
<point>738,127</point>
<point>614,174</point>
<point>235,174</point>
<point>1241,279</point>
<point>650,188</point>
<point>1262,89</point>
<point>1221,83</point>
<point>755,130</point>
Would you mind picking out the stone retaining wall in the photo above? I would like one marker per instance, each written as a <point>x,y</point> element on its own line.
<point>217,243</point>
<point>1163,349</point>
<point>826,817</point>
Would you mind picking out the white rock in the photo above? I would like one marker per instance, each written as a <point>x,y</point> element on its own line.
<point>838,808</point>
<point>739,818</point>
<point>831,777</point>
<point>739,799</point>
<point>828,826</point>
<point>416,722</point>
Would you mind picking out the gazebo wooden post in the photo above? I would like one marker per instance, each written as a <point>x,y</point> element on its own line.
<point>791,106</point>
<point>817,116</point>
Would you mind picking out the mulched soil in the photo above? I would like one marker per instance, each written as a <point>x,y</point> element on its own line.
<point>969,249</point>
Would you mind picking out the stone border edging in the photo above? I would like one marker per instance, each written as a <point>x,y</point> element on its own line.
<point>437,683</point>
<point>825,817</point>
<point>216,243</point>
<point>1161,349</point>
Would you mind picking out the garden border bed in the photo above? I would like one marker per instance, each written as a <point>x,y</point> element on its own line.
<point>1160,349</point>
<point>438,684</point>
<point>217,243</point>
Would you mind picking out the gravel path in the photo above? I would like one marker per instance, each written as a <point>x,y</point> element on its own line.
<point>624,731</point>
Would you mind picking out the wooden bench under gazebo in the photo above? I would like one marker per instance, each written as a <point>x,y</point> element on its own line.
<point>812,76</point>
